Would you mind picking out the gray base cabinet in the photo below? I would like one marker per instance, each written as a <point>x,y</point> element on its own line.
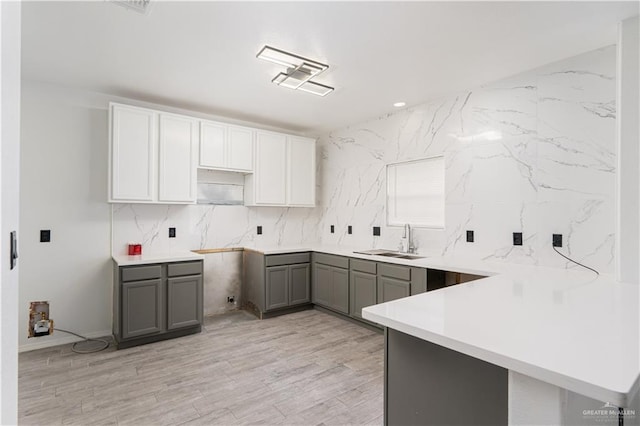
<point>331,282</point>
<point>397,281</point>
<point>276,282</point>
<point>184,305</point>
<point>141,308</point>
<point>156,302</point>
<point>362,286</point>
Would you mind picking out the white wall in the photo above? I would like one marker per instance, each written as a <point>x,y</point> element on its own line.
<point>552,169</point>
<point>10,13</point>
<point>628,135</point>
<point>64,189</point>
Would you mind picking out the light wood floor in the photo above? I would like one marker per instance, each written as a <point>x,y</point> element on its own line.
<point>306,368</point>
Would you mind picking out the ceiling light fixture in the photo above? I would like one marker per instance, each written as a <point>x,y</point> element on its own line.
<point>299,71</point>
<point>399,104</point>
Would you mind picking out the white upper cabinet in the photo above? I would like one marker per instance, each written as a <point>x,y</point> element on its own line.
<point>153,156</point>
<point>301,187</point>
<point>270,174</point>
<point>212,145</point>
<point>284,171</point>
<point>132,154</point>
<point>178,156</point>
<point>240,148</point>
<point>226,147</point>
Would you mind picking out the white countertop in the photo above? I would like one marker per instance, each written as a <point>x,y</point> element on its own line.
<point>564,327</point>
<point>453,264</point>
<point>156,258</point>
<point>567,328</point>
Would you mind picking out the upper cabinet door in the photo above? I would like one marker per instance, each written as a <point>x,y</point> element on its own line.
<point>133,160</point>
<point>240,148</point>
<point>301,188</point>
<point>212,145</point>
<point>271,168</point>
<point>178,157</point>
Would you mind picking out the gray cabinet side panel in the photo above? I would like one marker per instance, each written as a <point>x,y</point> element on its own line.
<point>116,302</point>
<point>276,287</point>
<point>427,384</point>
<point>253,279</point>
<point>340,290</point>
<point>184,302</point>
<point>418,280</point>
<point>299,284</point>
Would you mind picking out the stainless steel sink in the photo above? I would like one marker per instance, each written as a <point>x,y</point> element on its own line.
<point>390,253</point>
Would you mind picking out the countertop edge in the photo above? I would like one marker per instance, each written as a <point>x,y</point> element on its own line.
<point>619,398</point>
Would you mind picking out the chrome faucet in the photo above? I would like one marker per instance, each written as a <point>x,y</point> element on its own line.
<point>407,240</point>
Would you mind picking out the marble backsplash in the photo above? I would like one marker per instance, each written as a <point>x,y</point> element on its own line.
<point>534,153</point>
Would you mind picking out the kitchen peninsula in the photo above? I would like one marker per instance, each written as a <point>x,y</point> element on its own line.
<point>528,345</point>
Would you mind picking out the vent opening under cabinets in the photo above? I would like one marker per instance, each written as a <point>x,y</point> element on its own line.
<point>220,188</point>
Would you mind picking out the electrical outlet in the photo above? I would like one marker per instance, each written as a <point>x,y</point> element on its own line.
<point>333,229</point>
<point>45,235</point>
<point>376,231</point>
<point>557,240</point>
<point>349,230</point>
<point>470,236</point>
<point>517,238</point>
<point>172,232</point>
<point>231,299</point>
<point>259,229</point>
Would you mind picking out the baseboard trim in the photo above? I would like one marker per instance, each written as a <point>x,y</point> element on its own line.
<point>59,338</point>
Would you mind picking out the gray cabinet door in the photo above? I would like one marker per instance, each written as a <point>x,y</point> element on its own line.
<point>323,285</point>
<point>184,302</point>
<point>142,304</point>
<point>392,289</point>
<point>276,287</point>
<point>340,279</point>
<point>299,284</point>
<point>363,291</point>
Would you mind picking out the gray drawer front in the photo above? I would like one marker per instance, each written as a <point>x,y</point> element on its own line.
<point>184,268</point>
<point>394,271</point>
<point>287,259</point>
<point>139,273</point>
<point>363,266</point>
<point>331,260</point>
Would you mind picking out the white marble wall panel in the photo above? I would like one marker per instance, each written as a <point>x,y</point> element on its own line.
<point>534,153</point>
<point>208,226</point>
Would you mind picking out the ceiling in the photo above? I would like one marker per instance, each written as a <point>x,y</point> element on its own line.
<point>201,55</point>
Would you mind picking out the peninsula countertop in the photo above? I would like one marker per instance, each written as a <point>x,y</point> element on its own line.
<point>568,328</point>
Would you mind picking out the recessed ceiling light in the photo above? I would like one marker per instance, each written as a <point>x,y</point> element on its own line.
<point>299,71</point>
<point>399,104</point>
